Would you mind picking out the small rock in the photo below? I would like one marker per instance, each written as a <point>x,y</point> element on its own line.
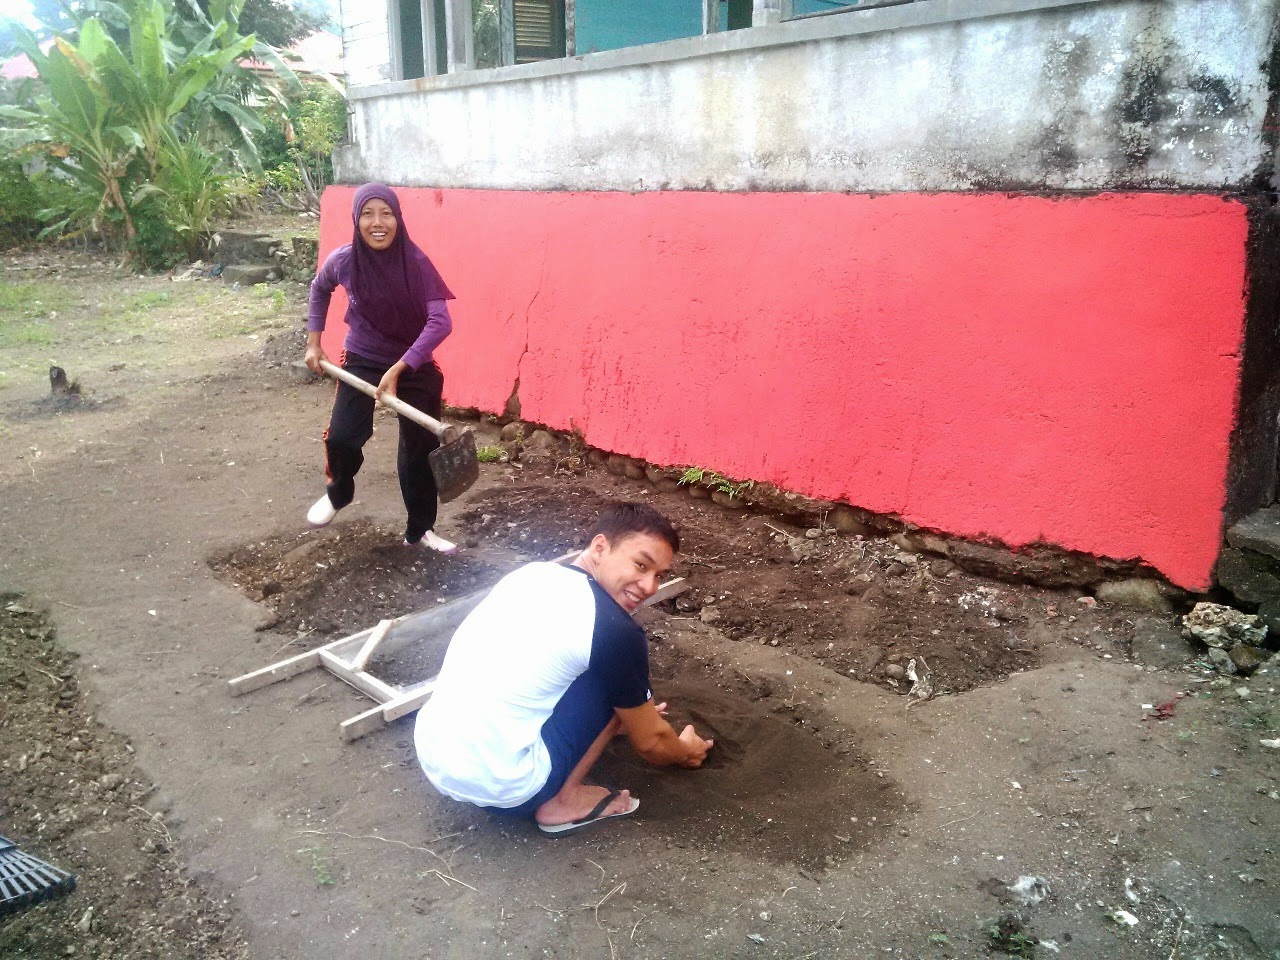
<point>895,671</point>
<point>934,544</point>
<point>697,491</point>
<point>633,469</point>
<point>856,588</point>
<point>1136,594</point>
<point>896,569</point>
<point>907,542</point>
<point>542,444</point>
<point>1270,744</point>
<point>732,501</point>
<point>1030,891</point>
<point>1247,658</point>
<point>813,533</point>
<point>1221,660</point>
<point>654,474</point>
<point>110,781</point>
<point>709,614</point>
<point>512,432</point>
<point>85,924</point>
<point>847,521</point>
<point>1217,625</point>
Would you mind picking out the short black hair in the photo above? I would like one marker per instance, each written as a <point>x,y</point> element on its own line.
<point>620,519</point>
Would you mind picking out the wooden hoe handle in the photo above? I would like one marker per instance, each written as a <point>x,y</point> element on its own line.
<point>445,433</point>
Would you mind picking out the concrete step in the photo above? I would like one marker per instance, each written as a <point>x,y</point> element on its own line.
<point>247,274</point>
<point>1259,532</point>
<point>242,246</point>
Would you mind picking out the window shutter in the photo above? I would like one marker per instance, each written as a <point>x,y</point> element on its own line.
<point>539,29</point>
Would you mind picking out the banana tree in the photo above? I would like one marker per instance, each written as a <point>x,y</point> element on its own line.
<point>83,130</point>
<point>139,77</point>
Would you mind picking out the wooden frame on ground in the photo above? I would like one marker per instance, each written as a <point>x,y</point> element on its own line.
<point>348,658</point>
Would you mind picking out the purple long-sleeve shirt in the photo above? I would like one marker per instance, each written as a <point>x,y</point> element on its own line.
<point>377,343</point>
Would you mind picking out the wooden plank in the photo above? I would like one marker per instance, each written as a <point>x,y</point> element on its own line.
<point>669,589</point>
<point>276,672</point>
<point>378,717</point>
<point>376,636</point>
<point>362,724</point>
<point>409,701</point>
<point>364,682</point>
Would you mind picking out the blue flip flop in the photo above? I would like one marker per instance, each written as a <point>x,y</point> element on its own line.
<point>595,816</point>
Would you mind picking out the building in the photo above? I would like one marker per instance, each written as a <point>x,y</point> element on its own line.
<point>1006,269</point>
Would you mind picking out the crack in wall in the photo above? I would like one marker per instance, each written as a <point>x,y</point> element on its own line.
<point>513,402</point>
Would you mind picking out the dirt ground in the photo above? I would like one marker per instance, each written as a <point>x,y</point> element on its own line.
<point>156,549</point>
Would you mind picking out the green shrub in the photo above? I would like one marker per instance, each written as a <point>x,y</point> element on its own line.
<point>156,243</point>
<point>30,203</point>
<point>19,204</point>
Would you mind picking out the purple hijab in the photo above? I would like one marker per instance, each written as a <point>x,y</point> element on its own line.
<point>392,286</point>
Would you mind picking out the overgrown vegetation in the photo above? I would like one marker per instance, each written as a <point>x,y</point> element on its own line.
<point>144,119</point>
<point>296,147</point>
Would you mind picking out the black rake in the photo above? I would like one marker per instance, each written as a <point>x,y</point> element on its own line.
<point>26,881</point>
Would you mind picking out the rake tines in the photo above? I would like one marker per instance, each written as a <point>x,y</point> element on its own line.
<point>26,881</point>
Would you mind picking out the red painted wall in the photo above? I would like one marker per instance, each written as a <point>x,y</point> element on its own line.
<point>1016,367</point>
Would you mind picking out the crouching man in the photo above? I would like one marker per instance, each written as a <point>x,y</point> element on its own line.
<point>545,671</point>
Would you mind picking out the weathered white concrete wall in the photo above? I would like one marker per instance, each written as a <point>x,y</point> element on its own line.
<point>933,95</point>
<point>366,45</point>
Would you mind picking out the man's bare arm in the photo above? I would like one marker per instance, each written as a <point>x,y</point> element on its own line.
<point>657,741</point>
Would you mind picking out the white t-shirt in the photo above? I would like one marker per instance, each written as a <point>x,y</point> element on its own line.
<point>479,736</point>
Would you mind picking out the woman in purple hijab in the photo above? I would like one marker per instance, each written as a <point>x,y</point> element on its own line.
<point>396,317</point>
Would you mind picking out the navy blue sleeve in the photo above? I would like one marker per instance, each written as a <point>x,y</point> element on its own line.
<point>619,654</point>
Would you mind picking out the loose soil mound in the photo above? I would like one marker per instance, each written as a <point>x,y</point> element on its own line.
<point>862,607</point>
<point>71,795</point>
<point>345,577</point>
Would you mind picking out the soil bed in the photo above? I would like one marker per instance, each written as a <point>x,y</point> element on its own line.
<point>861,607</point>
<point>72,795</point>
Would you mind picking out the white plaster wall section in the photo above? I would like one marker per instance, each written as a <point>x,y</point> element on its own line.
<point>1102,95</point>
<point>366,50</point>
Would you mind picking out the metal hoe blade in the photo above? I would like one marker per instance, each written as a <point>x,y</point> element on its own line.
<point>455,465</point>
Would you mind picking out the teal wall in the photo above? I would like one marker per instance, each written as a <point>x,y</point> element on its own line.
<point>820,6</point>
<point>610,24</point>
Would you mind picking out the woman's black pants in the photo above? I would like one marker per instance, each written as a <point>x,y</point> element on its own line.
<point>351,426</point>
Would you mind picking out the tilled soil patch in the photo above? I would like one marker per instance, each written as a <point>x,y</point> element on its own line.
<point>779,782</point>
<point>345,578</point>
<point>863,607</point>
<point>71,795</point>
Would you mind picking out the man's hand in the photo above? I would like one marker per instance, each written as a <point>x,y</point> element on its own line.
<point>696,746</point>
<point>656,740</point>
<point>315,352</point>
